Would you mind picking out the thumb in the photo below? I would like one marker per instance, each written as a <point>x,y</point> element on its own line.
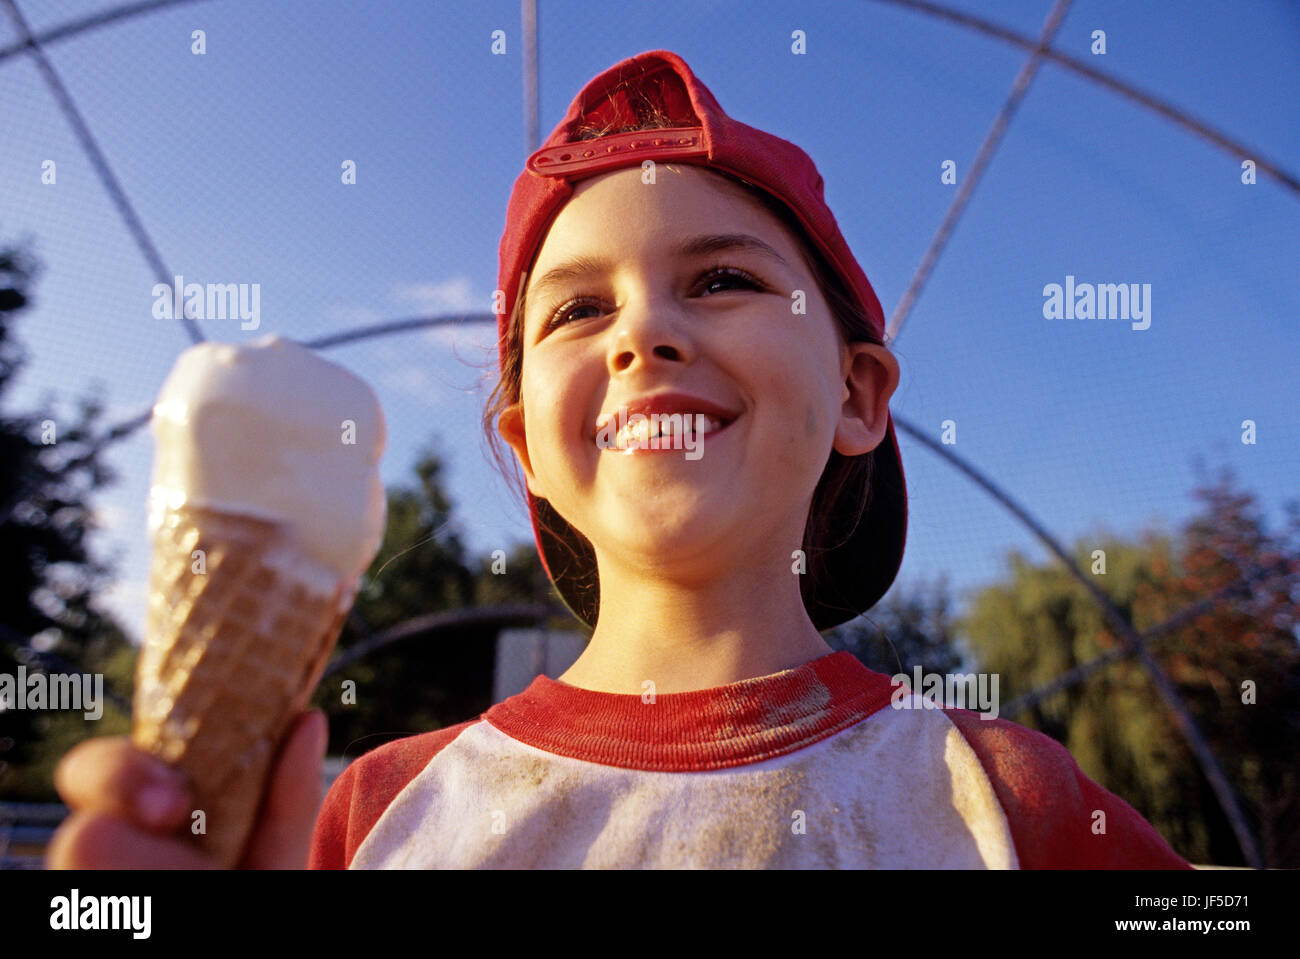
<point>282,837</point>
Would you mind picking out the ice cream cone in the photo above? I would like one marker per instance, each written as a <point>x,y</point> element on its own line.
<point>265,508</point>
<point>236,641</point>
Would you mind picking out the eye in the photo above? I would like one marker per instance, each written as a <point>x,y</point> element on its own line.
<point>565,313</point>
<point>729,275</point>
<point>726,275</point>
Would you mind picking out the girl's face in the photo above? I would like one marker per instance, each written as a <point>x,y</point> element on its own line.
<point>686,285</point>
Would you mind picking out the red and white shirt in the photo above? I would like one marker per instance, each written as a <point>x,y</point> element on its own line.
<point>813,767</point>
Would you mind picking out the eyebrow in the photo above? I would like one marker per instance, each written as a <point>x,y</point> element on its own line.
<point>581,266</point>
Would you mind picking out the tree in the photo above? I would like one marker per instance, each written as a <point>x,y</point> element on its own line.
<point>49,469</point>
<point>1041,622</point>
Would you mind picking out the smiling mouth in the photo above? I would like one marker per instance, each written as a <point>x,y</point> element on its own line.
<point>659,431</point>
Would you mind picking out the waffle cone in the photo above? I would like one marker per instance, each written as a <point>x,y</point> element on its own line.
<point>231,656</point>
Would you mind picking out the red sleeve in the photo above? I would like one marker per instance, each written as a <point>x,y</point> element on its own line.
<point>363,791</point>
<point>1051,805</point>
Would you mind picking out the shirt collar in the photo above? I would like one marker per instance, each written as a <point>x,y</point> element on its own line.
<point>739,723</point>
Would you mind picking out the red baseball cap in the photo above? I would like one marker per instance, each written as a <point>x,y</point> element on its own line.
<point>861,568</point>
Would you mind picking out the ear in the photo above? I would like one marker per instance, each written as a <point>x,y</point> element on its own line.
<point>510,424</point>
<point>870,374</point>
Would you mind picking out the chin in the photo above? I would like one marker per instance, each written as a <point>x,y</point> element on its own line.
<point>667,532</point>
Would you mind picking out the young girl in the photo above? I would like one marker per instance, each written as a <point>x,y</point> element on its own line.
<point>694,383</point>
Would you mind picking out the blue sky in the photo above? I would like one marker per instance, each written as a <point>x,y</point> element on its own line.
<point>232,160</point>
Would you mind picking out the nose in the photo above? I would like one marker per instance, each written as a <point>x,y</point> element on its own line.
<point>647,332</point>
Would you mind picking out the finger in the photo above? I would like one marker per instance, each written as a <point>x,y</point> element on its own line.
<point>282,838</point>
<point>111,775</point>
<point>102,840</point>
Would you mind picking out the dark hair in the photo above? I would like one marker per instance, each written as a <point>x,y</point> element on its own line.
<point>842,493</point>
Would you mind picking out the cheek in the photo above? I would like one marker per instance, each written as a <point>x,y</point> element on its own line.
<point>796,417</point>
<point>804,391</point>
<point>554,413</point>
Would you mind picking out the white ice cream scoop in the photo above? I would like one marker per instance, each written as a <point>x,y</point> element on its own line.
<point>269,429</point>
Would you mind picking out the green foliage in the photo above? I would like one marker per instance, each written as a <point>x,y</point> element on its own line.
<point>1041,622</point>
<point>58,731</point>
<point>48,574</point>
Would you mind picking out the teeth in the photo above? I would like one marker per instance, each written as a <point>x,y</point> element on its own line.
<point>664,428</point>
